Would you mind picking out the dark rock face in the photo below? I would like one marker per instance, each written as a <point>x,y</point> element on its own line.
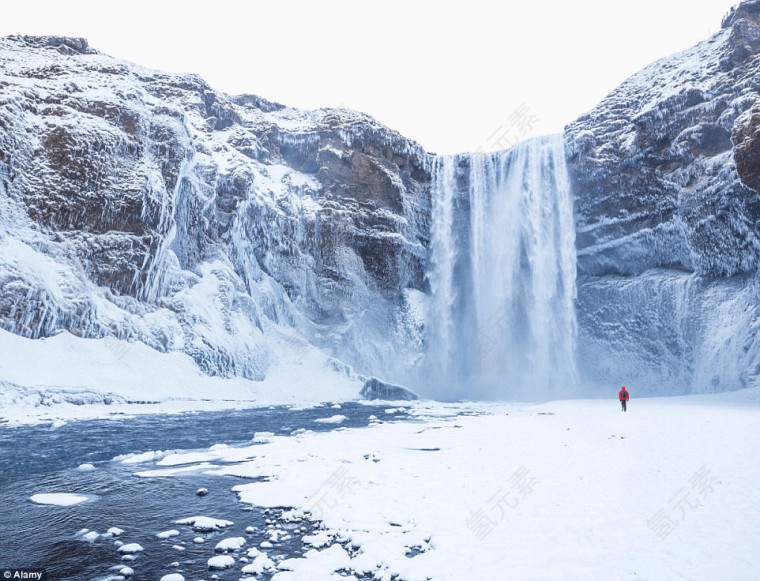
<point>665,173</point>
<point>376,389</point>
<point>746,139</point>
<point>653,168</point>
<point>143,186</point>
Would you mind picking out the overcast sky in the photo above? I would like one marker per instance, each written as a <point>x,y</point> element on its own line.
<point>448,74</point>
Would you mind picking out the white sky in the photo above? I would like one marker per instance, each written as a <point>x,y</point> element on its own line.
<point>447,74</point>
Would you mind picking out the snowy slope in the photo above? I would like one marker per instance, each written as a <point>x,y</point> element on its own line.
<point>66,377</point>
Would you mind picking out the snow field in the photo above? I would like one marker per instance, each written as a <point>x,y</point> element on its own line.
<point>71,384</point>
<point>562,490</point>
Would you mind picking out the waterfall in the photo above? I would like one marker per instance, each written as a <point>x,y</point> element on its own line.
<point>501,319</point>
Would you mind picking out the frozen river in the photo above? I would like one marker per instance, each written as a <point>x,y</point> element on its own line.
<point>72,542</point>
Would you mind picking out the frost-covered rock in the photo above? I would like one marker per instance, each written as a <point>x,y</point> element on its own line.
<point>667,207</point>
<point>143,206</point>
<point>376,389</point>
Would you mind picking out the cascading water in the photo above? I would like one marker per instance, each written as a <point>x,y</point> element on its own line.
<point>501,320</point>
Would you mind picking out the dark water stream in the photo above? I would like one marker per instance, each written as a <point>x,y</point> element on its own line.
<point>43,459</point>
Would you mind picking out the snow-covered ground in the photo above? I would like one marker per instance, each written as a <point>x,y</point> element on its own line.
<point>572,490</point>
<point>66,377</point>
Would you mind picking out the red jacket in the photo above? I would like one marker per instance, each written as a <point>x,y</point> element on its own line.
<point>623,395</point>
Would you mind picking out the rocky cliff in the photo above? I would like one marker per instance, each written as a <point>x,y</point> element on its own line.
<point>665,175</point>
<point>150,207</point>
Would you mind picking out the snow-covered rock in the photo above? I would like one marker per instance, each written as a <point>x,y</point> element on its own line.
<point>221,562</point>
<point>130,549</point>
<point>336,419</point>
<point>261,564</point>
<point>205,524</point>
<point>375,389</point>
<point>230,545</point>
<point>667,210</point>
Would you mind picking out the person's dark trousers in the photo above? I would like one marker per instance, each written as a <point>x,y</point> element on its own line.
<point>622,401</point>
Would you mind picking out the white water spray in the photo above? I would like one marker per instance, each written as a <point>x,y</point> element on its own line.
<point>502,320</point>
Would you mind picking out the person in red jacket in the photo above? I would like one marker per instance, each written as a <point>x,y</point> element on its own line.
<point>623,395</point>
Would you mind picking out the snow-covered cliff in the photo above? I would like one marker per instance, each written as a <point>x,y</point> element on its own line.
<point>148,207</point>
<point>667,207</point>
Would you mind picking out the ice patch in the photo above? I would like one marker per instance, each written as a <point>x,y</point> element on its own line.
<point>336,419</point>
<point>139,458</point>
<point>60,499</point>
